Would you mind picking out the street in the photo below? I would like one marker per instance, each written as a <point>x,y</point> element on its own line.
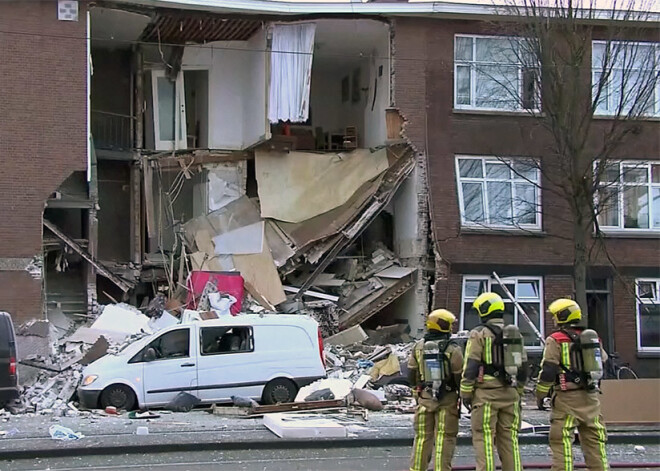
<point>328,459</point>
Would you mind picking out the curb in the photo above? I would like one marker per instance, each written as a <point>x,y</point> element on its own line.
<point>281,444</point>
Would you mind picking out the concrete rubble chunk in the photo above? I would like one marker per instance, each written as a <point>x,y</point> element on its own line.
<point>303,426</point>
<point>349,336</point>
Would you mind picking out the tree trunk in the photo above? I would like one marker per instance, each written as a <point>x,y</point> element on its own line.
<point>580,265</point>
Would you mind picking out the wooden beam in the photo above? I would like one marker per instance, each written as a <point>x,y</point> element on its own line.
<point>123,285</point>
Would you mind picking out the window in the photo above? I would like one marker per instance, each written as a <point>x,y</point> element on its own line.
<point>631,84</point>
<point>489,74</point>
<point>173,344</point>
<point>628,197</point>
<point>499,192</point>
<point>528,291</point>
<point>226,339</point>
<point>648,314</point>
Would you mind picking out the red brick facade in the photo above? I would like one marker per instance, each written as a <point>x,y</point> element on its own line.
<point>424,93</point>
<point>43,133</point>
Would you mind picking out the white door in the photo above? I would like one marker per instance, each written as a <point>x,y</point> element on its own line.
<point>169,106</point>
<point>227,365</point>
<point>174,368</point>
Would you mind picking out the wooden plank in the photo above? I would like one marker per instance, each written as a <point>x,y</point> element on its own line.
<point>260,272</point>
<point>103,270</point>
<point>299,406</point>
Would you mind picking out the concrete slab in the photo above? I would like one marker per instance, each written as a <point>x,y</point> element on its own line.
<point>303,426</point>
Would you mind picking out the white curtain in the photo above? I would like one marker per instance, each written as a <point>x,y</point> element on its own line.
<point>291,72</point>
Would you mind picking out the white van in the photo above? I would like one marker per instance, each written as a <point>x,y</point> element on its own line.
<point>265,357</point>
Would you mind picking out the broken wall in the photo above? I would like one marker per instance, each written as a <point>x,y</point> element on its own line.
<point>43,89</point>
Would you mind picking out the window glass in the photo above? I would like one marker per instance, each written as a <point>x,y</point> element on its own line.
<point>533,312</point>
<point>646,289</point>
<point>226,339</point>
<point>655,173</point>
<point>635,207</point>
<point>528,289</point>
<point>463,48</point>
<point>636,174</point>
<point>656,206</point>
<point>473,202</point>
<point>173,344</point>
<point>495,87</point>
<point>608,207</point>
<point>463,85</point>
<point>473,288</point>
<point>500,197</point>
<point>511,286</point>
<point>649,325</point>
<point>470,168</point>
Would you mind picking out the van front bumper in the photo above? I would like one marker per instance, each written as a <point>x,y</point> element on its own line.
<point>89,398</point>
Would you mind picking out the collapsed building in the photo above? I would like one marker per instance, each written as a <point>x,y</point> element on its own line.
<point>242,144</point>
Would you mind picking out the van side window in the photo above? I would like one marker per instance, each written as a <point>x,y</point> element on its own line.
<point>216,340</point>
<point>173,344</point>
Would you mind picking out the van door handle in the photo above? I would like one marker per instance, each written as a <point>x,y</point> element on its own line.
<point>184,365</point>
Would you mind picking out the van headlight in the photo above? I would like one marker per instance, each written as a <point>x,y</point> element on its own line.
<point>89,379</point>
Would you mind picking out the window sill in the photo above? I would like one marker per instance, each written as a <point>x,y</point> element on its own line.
<point>648,354</point>
<point>484,112</point>
<point>609,117</point>
<point>624,234</point>
<point>503,231</point>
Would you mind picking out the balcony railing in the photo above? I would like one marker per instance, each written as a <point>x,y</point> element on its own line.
<point>112,131</point>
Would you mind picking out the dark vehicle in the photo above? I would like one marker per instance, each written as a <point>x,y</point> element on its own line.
<point>8,374</point>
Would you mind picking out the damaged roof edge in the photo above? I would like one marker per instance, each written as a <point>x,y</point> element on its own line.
<point>287,8</point>
<point>450,8</point>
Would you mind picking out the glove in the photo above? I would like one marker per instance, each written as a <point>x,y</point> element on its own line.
<point>467,402</point>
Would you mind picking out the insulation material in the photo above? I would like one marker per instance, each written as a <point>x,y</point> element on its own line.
<point>230,283</point>
<point>297,186</point>
<point>226,183</point>
<point>261,275</point>
<point>244,240</point>
<point>121,318</point>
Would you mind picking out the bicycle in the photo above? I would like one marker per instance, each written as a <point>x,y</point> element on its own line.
<point>615,368</point>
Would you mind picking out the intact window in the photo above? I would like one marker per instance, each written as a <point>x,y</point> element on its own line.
<point>528,291</point>
<point>494,73</point>
<point>499,192</point>
<point>628,196</point>
<point>648,314</point>
<point>215,340</point>
<point>625,73</point>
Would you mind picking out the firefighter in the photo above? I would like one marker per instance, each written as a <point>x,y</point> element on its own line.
<point>571,369</point>
<point>494,375</point>
<point>434,373</point>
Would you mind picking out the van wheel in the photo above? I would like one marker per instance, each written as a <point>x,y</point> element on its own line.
<point>119,396</point>
<point>279,390</point>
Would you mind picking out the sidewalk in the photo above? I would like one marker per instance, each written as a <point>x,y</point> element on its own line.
<point>28,436</point>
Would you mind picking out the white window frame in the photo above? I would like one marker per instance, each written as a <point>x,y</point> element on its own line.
<point>611,108</point>
<point>473,64</point>
<point>484,192</point>
<point>621,185</point>
<point>638,302</point>
<point>490,282</point>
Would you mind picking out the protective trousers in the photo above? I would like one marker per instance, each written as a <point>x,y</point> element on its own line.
<point>580,409</point>
<point>495,423</point>
<point>437,425</point>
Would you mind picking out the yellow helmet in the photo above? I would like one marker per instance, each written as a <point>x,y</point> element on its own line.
<point>488,303</point>
<point>441,320</point>
<point>565,310</point>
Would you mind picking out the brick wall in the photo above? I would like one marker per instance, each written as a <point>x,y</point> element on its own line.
<point>423,92</point>
<point>43,133</point>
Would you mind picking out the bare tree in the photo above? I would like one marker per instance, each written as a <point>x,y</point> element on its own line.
<point>566,62</point>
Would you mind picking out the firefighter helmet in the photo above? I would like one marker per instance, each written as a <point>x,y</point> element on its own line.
<point>565,311</point>
<point>488,303</point>
<point>440,320</point>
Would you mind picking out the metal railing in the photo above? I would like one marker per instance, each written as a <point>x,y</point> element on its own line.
<point>112,131</point>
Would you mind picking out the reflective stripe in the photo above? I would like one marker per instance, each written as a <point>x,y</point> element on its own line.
<point>420,362</point>
<point>517,465</point>
<point>488,438</point>
<point>602,438</point>
<point>468,347</point>
<point>420,436</point>
<point>568,442</point>
<point>543,388</point>
<point>440,439</point>
<point>566,354</point>
<point>488,351</point>
<point>467,388</point>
